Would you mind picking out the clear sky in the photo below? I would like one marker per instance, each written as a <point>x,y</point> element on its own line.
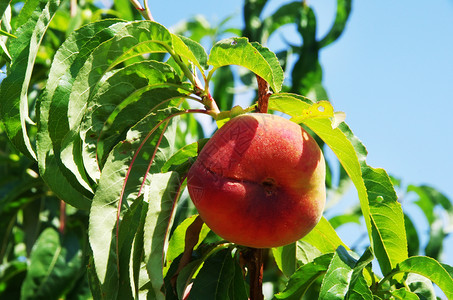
<point>391,72</point>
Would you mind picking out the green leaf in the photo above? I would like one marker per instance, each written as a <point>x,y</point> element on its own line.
<point>412,237</point>
<point>14,110</point>
<point>259,60</point>
<point>288,258</point>
<point>53,106</point>
<point>285,258</point>
<point>177,240</point>
<point>336,281</point>
<point>285,14</point>
<point>132,41</point>
<point>430,269</point>
<point>123,178</point>
<point>129,225</point>
<point>252,12</point>
<point>421,286</point>
<point>185,276</point>
<point>389,238</point>
<point>341,18</point>
<point>54,265</point>
<point>215,277</point>
<point>339,220</point>
<point>181,157</point>
<point>161,194</point>
<point>191,50</point>
<point>125,9</point>
<point>301,280</point>
<point>11,279</point>
<point>324,237</point>
<point>238,288</point>
<point>376,194</point>
<point>118,103</point>
<point>360,290</point>
<point>428,198</point>
<point>12,202</point>
<point>404,294</point>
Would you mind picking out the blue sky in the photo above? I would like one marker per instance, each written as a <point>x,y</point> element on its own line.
<point>391,72</point>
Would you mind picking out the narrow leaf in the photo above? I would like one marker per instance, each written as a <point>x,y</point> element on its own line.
<point>14,88</point>
<point>53,106</point>
<point>161,195</point>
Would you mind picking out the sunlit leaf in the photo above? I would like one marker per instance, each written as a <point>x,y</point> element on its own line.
<point>14,88</point>
<point>431,269</point>
<point>301,280</point>
<point>336,281</point>
<point>161,194</point>
<point>123,178</point>
<point>53,106</point>
<point>259,60</point>
<point>324,237</point>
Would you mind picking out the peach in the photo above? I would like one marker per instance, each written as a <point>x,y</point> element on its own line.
<point>259,181</point>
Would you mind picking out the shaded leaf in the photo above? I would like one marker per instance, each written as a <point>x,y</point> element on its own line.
<point>215,277</point>
<point>54,265</point>
<point>177,242</point>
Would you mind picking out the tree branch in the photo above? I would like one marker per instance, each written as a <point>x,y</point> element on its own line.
<point>254,262</point>
<point>263,95</point>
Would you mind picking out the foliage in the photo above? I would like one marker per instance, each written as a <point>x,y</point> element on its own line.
<point>100,111</point>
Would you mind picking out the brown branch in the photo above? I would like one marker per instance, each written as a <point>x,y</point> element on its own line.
<point>254,261</point>
<point>62,216</point>
<point>263,95</point>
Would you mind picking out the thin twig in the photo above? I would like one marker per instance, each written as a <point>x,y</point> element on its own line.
<point>263,95</point>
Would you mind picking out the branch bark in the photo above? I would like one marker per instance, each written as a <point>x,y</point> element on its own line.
<point>263,95</point>
<point>254,263</point>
